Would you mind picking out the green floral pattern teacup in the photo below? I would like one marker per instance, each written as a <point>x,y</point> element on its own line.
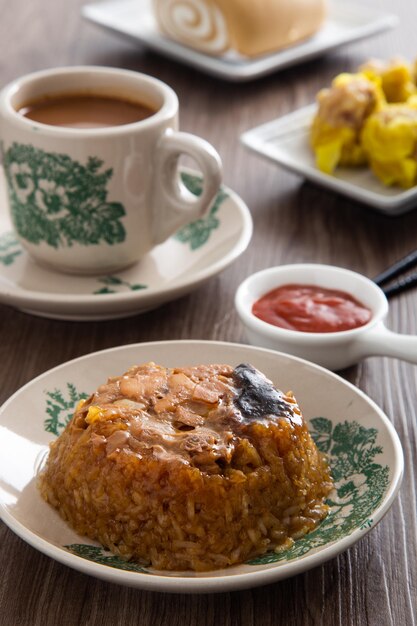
<point>97,200</point>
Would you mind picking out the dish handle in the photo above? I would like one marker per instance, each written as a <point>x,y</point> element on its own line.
<point>380,341</point>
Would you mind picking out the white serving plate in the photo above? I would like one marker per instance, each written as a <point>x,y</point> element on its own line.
<point>172,269</point>
<point>341,419</point>
<point>285,141</point>
<point>345,23</point>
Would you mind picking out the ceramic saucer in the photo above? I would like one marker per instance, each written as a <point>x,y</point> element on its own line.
<point>189,258</point>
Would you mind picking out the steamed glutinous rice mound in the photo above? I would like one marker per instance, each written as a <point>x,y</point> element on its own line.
<point>188,468</point>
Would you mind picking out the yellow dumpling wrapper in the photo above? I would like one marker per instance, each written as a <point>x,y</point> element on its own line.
<point>397,84</point>
<point>389,138</point>
<point>412,102</point>
<point>335,146</point>
<point>402,173</point>
<point>335,130</point>
<point>397,78</point>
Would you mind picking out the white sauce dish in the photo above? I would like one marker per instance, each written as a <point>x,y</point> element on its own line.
<point>333,350</point>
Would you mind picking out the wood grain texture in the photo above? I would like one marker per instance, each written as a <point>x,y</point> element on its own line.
<point>373,583</point>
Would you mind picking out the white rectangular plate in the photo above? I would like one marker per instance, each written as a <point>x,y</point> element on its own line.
<point>346,22</point>
<point>286,142</point>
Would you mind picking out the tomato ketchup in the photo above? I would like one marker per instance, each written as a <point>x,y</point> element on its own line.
<point>311,309</point>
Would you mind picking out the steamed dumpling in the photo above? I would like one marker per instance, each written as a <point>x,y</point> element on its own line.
<point>342,112</point>
<point>389,138</point>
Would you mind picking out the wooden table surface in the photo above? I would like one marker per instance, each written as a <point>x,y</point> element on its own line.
<point>374,582</point>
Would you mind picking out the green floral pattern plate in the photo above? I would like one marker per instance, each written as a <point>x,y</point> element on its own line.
<point>363,448</point>
<point>193,255</point>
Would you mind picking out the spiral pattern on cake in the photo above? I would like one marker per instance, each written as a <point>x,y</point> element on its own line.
<point>196,23</point>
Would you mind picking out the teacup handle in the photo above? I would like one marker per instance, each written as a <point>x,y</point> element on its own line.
<point>173,205</point>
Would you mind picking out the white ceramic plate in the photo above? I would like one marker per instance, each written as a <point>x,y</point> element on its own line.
<point>346,22</point>
<point>365,455</point>
<point>172,269</point>
<point>286,141</point>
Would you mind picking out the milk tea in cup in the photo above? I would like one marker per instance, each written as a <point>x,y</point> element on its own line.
<point>90,156</point>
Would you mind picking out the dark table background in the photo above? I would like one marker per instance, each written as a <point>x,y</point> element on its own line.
<point>375,582</point>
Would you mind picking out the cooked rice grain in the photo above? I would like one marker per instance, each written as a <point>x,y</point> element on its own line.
<point>180,496</point>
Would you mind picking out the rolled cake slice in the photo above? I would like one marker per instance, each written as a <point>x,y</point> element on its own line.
<point>249,27</point>
<point>188,468</point>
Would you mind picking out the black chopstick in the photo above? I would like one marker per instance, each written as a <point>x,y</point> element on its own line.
<point>403,284</point>
<point>404,264</point>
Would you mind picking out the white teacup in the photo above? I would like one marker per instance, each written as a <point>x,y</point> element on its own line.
<point>95,200</point>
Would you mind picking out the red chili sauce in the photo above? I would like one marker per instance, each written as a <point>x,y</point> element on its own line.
<point>311,309</point>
